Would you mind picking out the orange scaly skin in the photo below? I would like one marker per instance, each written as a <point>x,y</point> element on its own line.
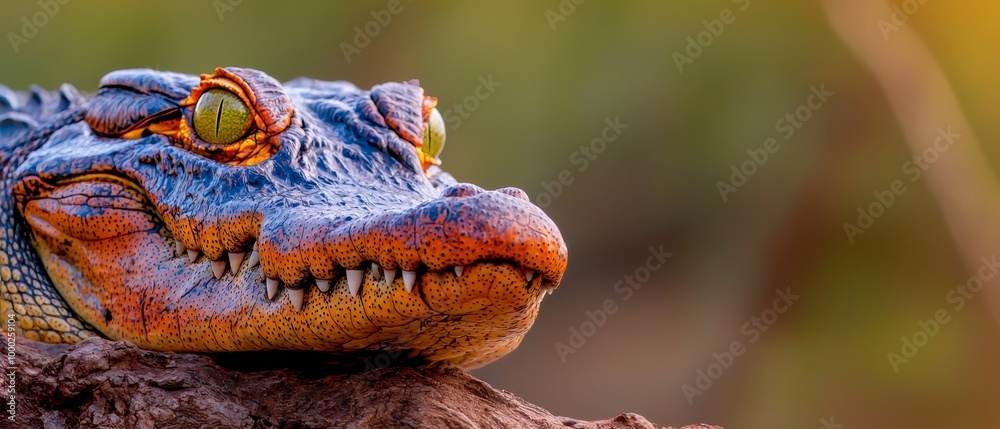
<point>116,219</point>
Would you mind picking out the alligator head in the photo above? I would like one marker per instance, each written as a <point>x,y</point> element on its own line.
<point>232,213</point>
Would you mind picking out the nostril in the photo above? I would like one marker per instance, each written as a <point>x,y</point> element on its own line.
<point>514,192</point>
<point>462,190</point>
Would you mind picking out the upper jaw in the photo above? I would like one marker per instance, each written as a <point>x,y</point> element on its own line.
<point>462,230</point>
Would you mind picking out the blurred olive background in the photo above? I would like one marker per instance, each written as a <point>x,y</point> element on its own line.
<point>654,185</point>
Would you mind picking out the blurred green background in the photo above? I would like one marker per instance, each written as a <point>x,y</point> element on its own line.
<point>654,185</point>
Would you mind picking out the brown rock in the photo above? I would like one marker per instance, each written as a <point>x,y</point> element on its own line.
<point>105,384</point>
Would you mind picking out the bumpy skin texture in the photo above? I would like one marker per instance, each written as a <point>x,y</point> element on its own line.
<point>117,220</point>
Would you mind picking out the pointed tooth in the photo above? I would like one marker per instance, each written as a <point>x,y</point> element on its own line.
<point>409,277</point>
<point>354,278</point>
<point>459,269</point>
<point>272,288</point>
<point>323,285</point>
<point>549,290</point>
<point>390,276</point>
<point>193,255</point>
<point>235,260</point>
<point>180,248</point>
<point>376,271</point>
<point>219,268</point>
<point>297,296</point>
<point>529,274</point>
<point>254,259</point>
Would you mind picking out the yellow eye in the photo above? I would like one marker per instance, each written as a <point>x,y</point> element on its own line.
<point>434,135</point>
<point>220,117</point>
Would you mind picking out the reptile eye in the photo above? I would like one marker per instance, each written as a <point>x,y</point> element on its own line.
<point>220,117</point>
<point>434,135</point>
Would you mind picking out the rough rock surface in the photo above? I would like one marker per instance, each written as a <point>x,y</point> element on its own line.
<point>104,384</point>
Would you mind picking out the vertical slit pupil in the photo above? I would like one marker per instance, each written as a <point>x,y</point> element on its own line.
<point>218,117</point>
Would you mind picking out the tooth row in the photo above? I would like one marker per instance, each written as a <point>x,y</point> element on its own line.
<point>354,280</point>
<point>354,277</point>
<point>219,267</point>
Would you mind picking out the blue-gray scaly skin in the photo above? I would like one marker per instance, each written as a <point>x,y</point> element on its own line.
<point>323,227</point>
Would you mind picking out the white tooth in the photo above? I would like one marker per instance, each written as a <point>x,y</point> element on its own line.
<point>323,285</point>
<point>459,269</point>
<point>297,296</point>
<point>193,254</point>
<point>354,278</point>
<point>549,290</point>
<point>272,288</point>
<point>541,296</point>
<point>180,248</point>
<point>235,260</point>
<point>219,268</point>
<point>390,276</point>
<point>409,277</point>
<point>529,274</point>
<point>254,259</point>
<point>376,271</point>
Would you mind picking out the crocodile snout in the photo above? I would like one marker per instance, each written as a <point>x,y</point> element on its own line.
<point>464,231</point>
